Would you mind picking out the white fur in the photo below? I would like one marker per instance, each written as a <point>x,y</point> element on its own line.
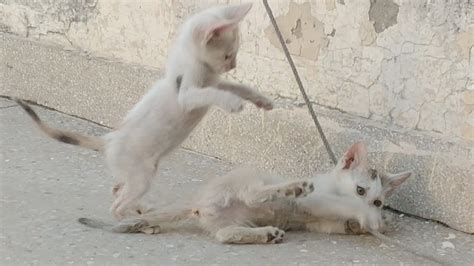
<point>249,206</point>
<point>206,47</point>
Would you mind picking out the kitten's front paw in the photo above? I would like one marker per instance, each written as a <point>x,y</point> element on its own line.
<point>353,227</point>
<point>264,103</point>
<point>274,235</point>
<point>299,189</point>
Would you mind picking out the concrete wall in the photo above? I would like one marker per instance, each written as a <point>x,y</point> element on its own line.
<point>403,62</point>
<point>399,73</point>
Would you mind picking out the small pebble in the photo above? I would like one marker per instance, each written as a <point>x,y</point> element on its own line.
<point>116,255</point>
<point>451,236</point>
<point>303,250</point>
<point>447,244</point>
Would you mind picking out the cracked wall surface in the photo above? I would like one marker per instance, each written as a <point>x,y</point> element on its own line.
<point>405,63</point>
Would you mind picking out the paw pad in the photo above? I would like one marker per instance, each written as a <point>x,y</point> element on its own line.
<point>276,236</point>
<point>151,230</point>
<point>352,226</point>
<point>300,189</point>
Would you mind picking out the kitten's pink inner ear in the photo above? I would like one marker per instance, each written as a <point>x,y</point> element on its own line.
<point>348,162</point>
<point>394,181</point>
<point>356,156</point>
<point>217,29</point>
<point>398,179</point>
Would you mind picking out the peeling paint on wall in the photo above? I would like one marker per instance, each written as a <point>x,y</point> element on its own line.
<point>465,41</point>
<point>367,32</point>
<point>384,14</point>
<point>303,33</point>
<point>406,63</point>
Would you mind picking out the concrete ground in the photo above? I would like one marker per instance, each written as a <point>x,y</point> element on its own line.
<point>46,186</point>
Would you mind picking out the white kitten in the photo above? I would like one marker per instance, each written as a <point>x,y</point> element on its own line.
<point>207,47</point>
<point>247,206</point>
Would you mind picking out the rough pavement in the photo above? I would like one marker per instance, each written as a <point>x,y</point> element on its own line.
<point>46,186</point>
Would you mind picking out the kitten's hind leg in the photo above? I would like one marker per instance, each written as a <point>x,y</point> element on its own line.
<point>249,235</point>
<point>268,193</point>
<point>139,208</point>
<point>132,190</point>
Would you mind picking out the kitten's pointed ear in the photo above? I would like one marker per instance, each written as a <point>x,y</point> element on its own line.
<point>237,12</point>
<point>355,157</point>
<point>392,182</point>
<point>233,14</point>
<point>216,29</point>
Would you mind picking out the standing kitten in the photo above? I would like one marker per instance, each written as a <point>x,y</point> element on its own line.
<point>247,206</point>
<point>206,47</point>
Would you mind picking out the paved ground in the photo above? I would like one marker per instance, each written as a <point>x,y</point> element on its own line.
<point>46,186</point>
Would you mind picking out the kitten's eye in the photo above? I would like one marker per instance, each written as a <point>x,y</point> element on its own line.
<point>360,190</point>
<point>227,56</point>
<point>377,203</point>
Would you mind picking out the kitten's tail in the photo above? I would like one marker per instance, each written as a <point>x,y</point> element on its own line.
<point>95,224</point>
<point>89,142</point>
<point>140,223</point>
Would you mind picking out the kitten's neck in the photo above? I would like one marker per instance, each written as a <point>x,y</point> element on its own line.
<point>201,74</point>
<point>194,70</point>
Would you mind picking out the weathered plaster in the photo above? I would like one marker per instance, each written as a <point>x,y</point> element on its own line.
<point>401,62</point>
<point>303,33</point>
<point>383,13</point>
<point>465,42</point>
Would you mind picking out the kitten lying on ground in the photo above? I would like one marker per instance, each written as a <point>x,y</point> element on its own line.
<point>247,206</point>
<point>206,47</point>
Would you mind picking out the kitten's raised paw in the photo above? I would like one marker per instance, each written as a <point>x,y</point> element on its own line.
<point>299,189</point>
<point>264,103</point>
<point>275,235</point>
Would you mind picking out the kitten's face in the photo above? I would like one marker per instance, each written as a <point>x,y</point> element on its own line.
<point>358,181</point>
<point>217,38</point>
<point>220,52</point>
